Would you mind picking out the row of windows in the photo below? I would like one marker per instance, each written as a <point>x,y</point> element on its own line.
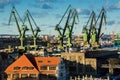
<point>23,68</point>
<point>40,61</point>
<point>46,67</point>
<point>22,75</point>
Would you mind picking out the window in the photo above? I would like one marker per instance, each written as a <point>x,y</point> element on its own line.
<point>31,68</point>
<point>33,75</point>
<point>43,67</point>
<point>24,75</point>
<point>8,75</point>
<point>15,76</point>
<point>79,59</point>
<point>52,67</point>
<point>25,68</point>
<point>62,67</point>
<point>16,68</point>
<point>40,61</point>
<point>51,75</point>
<point>61,74</point>
<point>49,61</point>
<point>72,58</point>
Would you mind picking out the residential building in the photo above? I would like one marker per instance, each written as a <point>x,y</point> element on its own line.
<point>28,67</point>
<point>52,68</point>
<point>22,68</point>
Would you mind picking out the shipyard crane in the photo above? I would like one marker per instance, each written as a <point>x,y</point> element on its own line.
<point>22,30</point>
<point>34,32</point>
<point>61,31</point>
<point>92,22</point>
<point>87,32</point>
<point>101,17</point>
<point>74,15</point>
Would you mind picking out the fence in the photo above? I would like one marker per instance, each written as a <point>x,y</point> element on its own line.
<point>87,78</point>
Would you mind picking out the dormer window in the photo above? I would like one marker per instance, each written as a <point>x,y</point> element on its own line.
<point>40,61</point>
<point>16,68</point>
<point>25,68</point>
<point>49,61</point>
<point>31,68</point>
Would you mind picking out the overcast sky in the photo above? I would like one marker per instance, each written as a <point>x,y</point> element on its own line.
<point>47,13</point>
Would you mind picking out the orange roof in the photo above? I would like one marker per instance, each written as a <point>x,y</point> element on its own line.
<point>21,62</point>
<point>40,61</point>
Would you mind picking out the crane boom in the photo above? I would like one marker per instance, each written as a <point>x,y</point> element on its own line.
<point>103,17</point>
<point>13,11</point>
<point>67,21</point>
<point>64,14</point>
<point>92,17</point>
<point>27,16</point>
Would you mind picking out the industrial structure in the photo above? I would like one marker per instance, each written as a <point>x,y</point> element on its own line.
<point>22,30</point>
<point>34,32</point>
<point>92,35</point>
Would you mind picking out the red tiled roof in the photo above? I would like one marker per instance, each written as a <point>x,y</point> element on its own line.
<point>21,62</point>
<point>40,61</point>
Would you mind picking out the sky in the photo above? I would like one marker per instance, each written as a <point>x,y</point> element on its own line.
<point>47,13</point>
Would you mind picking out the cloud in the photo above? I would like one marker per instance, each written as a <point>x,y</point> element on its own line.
<point>118,5</point>
<point>43,25</point>
<point>78,10</point>
<point>58,15</point>
<point>3,24</point>
<point>114,7</point>
<point>46,6</point>
<point>118,22</point>
<point>4,3</point>
<point>51,26</point>
<point>41,14</point>
<point>110,22</point>
<point>83,11</point>
<point>1,10</point>
<point>41,1</point>
<point>35,5</point>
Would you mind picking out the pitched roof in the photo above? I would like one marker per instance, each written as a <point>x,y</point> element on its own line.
<point>40,61</point>
<point>23,61</point>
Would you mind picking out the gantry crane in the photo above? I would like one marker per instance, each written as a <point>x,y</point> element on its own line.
<point>70,26</point>
<point>61,31</point>
<point>22,31</point>
<point>34,32</point>
<point>101,17</point>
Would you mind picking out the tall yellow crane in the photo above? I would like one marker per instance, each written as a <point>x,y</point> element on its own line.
<point>101,17</point>
<point>87,32</point>
<point>61,31</point>
<point>22,30</point>
<point>70,26</point>
<point>34,32</point>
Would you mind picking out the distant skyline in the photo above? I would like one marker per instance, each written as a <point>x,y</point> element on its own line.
<point>47,13</point>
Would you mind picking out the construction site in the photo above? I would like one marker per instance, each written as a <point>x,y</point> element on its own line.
<point>67,56</point>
